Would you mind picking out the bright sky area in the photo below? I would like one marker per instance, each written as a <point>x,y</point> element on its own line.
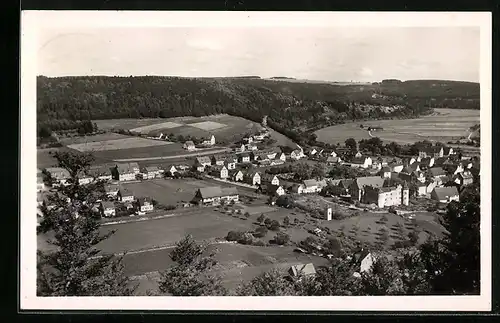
<point>314,53</point>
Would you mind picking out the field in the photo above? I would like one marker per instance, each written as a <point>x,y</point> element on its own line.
<point>118,144</point>
<point>443,125</point>
<point>168,191</point>
<point>92,138</point>
<point>222,126</point>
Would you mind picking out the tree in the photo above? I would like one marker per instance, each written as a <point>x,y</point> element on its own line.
<point>191,275</point>
<point>261,218</point>
<point>281,238</point>
<point>274,225</point>
<point>336,279</point>
<point>270,283</point>
<point>351,143</point>
<point>246,214</point>
<point>382,279</point>
<point>453,262</point>
<point>286,221</point>
<point>44,132</point>
<point>267,222</point>
<point>77,267</point>
<point>260,232</point>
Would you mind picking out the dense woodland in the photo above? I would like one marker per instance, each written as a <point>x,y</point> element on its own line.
<point>62,102</point>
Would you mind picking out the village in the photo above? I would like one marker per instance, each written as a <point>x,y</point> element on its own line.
<point>251,176</point>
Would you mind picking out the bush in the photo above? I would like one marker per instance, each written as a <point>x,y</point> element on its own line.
<point>296,221</point>
<point>267,222</point>
<point>260,232</point>
<point>261,218</point>
<point>402,244</point>
<point>339,215</point>
<point>247,215</point>
<point>259,243</point>
<point>286,221</point>
<point>274,225</point>
<point>281,238</point>
<point>234,235</point>
<point>246,238</point>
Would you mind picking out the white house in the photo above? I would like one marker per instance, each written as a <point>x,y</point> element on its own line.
<point>125,172</point>
<point>310,186</point>
<point>151,172</point>
<point>244,157</point>
<point>209,142</point>
<point>230,164</point>
<point>101,172</point>
<point>203,161</point>
<point>298,188</point>
<point>282,156</point>
<point>214,195</point>
<point>59,175</point>
<point>189,146</point>
<point>364,261</point>
<point>219,171</point>
<point>296,154</point>
<point>172,170</point>
<point>253,178</point>
<point>111,190</point>
<point>236,175</point>
<point>445,194</point>
<point>218,160</point>
<point>125,195</point>
<point>362,162</point>
<point>145,204</point>
<point>108,209</point>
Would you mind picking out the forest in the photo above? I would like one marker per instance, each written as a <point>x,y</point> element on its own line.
<point>64,101</point>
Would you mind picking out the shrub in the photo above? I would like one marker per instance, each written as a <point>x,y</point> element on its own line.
<point>296,221</point>
<point>247,215</point>
<point>402,244</point>
<point>259,243</point>
<point>261,218</point>
<point>339,215</point>
<point>234,235</point>
<point>281,238</point>
<point>286,221</point>
<point>246,238</point>
<point>260,232</point>
<point>267,222</point>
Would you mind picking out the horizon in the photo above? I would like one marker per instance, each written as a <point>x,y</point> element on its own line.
<point>278,78</point>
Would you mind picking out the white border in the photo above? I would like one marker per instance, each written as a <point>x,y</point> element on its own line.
<point>30,22</point>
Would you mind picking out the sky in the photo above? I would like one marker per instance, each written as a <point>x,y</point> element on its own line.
<point>314,53</point>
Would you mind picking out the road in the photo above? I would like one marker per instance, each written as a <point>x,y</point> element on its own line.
<point>201,153</point>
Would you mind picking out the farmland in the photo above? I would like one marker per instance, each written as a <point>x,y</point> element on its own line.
<point>443,125</point>
<point>223,126</point>
<point>118,144</point>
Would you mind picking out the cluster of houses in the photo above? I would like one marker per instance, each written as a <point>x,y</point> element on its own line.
<point>191,146</point>
<point>119,195</point>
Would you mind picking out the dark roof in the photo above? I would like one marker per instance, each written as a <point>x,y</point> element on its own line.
<point>310,182</point>
<point>333,159</point>
<point>373,181</point>
<point>385,169</point>
<point>359,256</point>
<point>432,149</point>
<point>437,171</point>
<point>466,174</point>
<point>217,191</point>
<point>345,183</point>
<point>108,205</point>
<point>58,172</point>
<point>151,168</point>
<point>358,160</point>
<point>203,159</point>
<point>125,168</point>
<point>444,192</point>
<point>111,188</point>
<point>126,192</point>
<point>219,157</point>
<point>189,143</point>
<point>143,200</point>
<point>446,150</point>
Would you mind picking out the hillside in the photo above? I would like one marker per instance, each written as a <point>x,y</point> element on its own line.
<point>289,105</point>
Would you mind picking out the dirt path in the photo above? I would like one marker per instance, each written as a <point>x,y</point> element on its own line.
<point>202,153</point>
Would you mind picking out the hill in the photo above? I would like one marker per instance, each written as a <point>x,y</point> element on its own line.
<point>292,107</point>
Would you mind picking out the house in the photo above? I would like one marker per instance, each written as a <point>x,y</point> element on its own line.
<point>244,157</point>
<point>60,176</point>
<point>312,152</point>
<point>436,172</point>
<point>181,168</point>
<point>396,166</point>
<point>445,194</point>
<point>145,204</point>
<point>248,140</point>
<point>270,179</point>
<point>84,178</point>
<point>282,157</point>
<point>455,169</point>
<point>345,184</point>
<point>331,160</point>
<point>430,185</point>
<point>299,270</point>
<point>333,154</point>
<point>272,190</point>
<point>230,162</point>
<point>219,171</point>
<point>311,186</point>
<point>296,154</point>
<point>101,172</point>
<point>385,172</point>
<point>40,185</point>
<point>209,142</point>
<point>218,160</point>
<point>236,175</point>
<point>358,155</point>
<point>252,147</point>
<point>214,195</point>
<point>442,161</point>
<point>108,209</point>
<point>433,151</point>
<point>363,162</point>
<point>172,170</point>
<point>321,184</point>
<point>447,151</point>
<point>150,172</point>
<point>189,146</point>
<point>203,161</point>
<point>387,196</point>
<point>297,188</point>
<point>357,188</point>
<point>124,172</point>
<point>421,189</point>
<point>427,162</point>
<point>240,148</point>
<point>111,190</point>
<point>412,177</point>
<point>464,178</point>
<point>125,195</point>
<point>363,260</point>
<point>259,156</point>
<point>252,178</point>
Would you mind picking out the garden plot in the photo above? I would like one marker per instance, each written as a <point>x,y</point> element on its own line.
<point>153,127</point>
<point>207,125</point>
<point>117,144</point>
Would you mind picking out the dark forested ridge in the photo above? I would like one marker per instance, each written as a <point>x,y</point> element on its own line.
<point>299,106</point>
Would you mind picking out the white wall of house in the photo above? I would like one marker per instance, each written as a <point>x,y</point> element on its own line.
<point>367,263</point>
<point>127,177</point>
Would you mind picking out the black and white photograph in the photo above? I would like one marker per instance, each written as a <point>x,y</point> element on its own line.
<point>330,157</point>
